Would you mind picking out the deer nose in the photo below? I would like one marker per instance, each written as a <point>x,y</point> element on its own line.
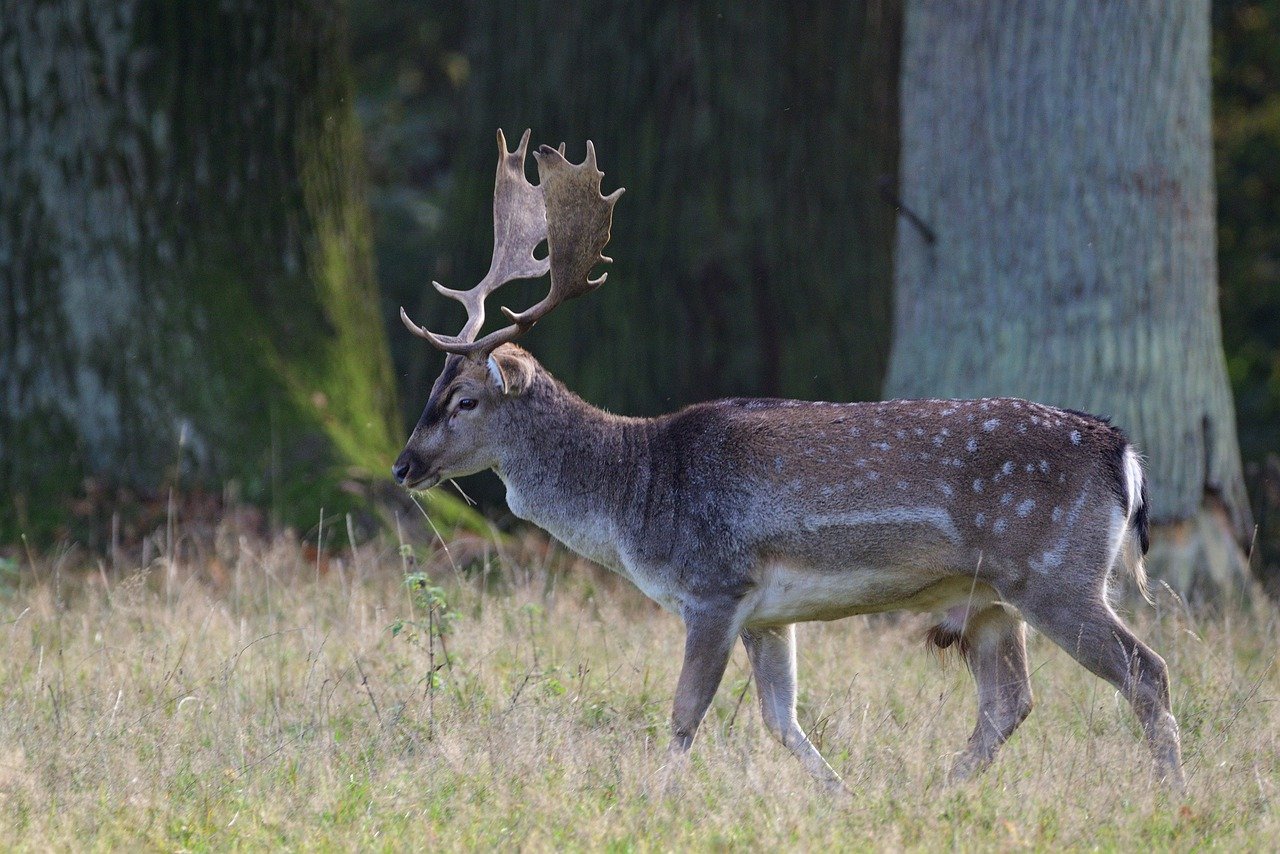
<point>401,469</point>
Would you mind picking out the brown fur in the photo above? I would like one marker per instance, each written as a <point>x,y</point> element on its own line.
<point>941,641</point>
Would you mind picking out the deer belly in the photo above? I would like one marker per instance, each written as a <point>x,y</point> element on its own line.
<point>789,593</point>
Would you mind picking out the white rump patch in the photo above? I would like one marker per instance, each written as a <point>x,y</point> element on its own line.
<point>1133,480</point>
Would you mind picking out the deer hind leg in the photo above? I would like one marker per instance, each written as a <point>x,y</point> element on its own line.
<point>995,649</point>
<point>1094,636</point>
<point>772,652</point>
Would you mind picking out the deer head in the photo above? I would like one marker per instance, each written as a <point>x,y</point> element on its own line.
<point>454,436</point>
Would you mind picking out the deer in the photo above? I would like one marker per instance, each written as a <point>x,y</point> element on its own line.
<point>746,516</point>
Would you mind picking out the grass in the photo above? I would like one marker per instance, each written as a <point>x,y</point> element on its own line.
<point>246,694</point>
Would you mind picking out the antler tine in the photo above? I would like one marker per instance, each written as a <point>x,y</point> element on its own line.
<point>519,225</point>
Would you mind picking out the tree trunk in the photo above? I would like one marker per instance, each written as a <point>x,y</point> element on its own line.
<point>1060,153</point>
<point>185,261</point>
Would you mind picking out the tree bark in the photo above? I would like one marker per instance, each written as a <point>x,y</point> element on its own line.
<point>1061,155</point>
<point>185,265</point>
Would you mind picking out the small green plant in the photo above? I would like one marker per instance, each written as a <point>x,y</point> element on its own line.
<point>430,622</point>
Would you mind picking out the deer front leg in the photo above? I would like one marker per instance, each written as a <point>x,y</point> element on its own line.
<point>709,635</point>
<point>773,660</point>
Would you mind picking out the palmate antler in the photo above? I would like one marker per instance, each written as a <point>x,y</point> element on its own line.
<point>565,209</point>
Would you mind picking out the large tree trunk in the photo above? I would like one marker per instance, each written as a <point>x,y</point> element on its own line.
<point>1061,155</point>
<point>185,260</point>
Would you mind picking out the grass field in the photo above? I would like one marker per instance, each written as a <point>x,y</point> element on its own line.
<point>249,694</point>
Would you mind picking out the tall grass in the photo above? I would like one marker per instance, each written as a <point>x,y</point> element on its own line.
<point>249,694</point>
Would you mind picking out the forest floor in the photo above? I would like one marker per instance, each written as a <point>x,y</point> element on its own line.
<point>249,693</point>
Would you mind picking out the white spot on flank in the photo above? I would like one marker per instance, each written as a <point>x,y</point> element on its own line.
<point>972,445</point>
<point>1075,437</point>
<point>980,520</point>
<point>1021,427</point>
<point>990,424</point>
<point>999,526</point>
<point>873,475</point>
<point>946,489</point>
<point>1056,515</point>
<point>1029,468</point>
<point>1062,477</point>
<point>1025,508</point>
<point>902,484</point>
<point>883,446</point>
<point>1044,466</point>
<point>977,485</point>
<point>1006,498</point>
<point>1007,468</point>
<point>937,441</point>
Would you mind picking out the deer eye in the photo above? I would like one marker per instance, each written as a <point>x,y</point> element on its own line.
<point>467,404</point>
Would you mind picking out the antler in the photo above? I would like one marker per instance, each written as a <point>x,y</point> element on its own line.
<point>565,209</point>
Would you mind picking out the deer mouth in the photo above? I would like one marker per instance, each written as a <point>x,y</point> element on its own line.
<point>423,483</point>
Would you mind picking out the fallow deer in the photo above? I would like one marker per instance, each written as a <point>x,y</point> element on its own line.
<point>746,516</point>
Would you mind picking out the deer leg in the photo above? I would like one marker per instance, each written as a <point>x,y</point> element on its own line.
<point>996,652</point>
<point>709,637</point>
<point>772,652</point>
<point>1094,636</point>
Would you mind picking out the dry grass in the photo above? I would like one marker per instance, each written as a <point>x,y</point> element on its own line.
<point>247,698</point>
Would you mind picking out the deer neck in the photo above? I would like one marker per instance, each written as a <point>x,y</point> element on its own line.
<point>571,468</point>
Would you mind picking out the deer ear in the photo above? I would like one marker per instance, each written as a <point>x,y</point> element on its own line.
<point>511,370</point>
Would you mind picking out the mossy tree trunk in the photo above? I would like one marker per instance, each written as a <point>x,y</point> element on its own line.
<point>185,266</point>
<point>1061,154</point>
